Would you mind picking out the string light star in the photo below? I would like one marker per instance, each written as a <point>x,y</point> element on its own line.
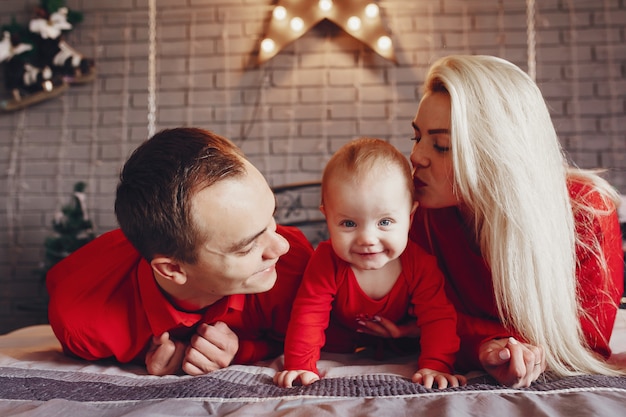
<point>293,18</point>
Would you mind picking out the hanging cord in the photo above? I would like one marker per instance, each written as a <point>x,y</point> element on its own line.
<point>152,68</point>
<point>325,143</point>
<point>62,150</point>
<point>125,90</point>
<point>576,142</point>
<point>12,202</point>
<point>190,73</point>
<point>531,39</point>
<point>613,90</point>
<point>94,162</point>
<point>392,116</point>
<point>227,71</point>
<point>501,29</point>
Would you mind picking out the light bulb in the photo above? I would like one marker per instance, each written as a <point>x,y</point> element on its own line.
<point>296,24</point>
<point>371,10</point>
<point>354,23</point>
<point>268,45</point>
<point>279,13</point>
<point>325,5</point>
<point>384,43</point>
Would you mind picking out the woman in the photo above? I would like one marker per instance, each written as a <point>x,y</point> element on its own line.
<point>531,247</point>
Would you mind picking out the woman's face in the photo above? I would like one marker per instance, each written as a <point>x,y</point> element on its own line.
<point>431,155</point>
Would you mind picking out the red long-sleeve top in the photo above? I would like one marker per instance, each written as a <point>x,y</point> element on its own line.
<point>469,282</point>
<point>105,303</point>
<point>330,299</point>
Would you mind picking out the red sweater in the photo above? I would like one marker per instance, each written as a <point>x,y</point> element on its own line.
<point>469,283</point>
<point>105,302</point>
<point>330,299</point>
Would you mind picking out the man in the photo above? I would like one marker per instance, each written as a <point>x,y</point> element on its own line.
<point>192,280</point>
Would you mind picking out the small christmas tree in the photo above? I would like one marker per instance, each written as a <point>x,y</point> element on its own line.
<point>73,229</point>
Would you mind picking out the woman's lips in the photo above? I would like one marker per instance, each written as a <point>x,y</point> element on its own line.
<point>418,183</point>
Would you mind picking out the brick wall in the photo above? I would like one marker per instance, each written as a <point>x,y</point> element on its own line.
<point>290,114</point>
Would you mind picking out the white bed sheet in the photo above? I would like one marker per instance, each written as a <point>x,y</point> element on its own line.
<point>33,355</point>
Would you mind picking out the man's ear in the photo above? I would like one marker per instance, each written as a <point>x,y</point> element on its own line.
<point>169,269</point>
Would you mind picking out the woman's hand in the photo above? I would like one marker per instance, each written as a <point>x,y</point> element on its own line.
<point>286,379</point>
<point>511,362</point>
<point>381,327</point>
<point>428,377</point>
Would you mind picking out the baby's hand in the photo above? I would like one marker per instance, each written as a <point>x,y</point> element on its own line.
<point>382,327</point>
<point>286,379</point>
<point>427,377</point>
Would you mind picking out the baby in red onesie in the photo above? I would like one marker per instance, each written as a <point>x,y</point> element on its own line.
<point>364,283</point>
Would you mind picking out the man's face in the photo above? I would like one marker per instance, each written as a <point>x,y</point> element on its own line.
<point>242,247</point>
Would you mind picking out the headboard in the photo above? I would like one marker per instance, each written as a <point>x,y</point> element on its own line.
<point>297,204</point>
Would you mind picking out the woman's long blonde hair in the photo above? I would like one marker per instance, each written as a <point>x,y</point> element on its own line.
<point>510,171</point>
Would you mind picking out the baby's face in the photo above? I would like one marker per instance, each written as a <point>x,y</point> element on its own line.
<point>369,220</point>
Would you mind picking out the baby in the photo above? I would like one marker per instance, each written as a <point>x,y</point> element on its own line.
<point>368,277</point>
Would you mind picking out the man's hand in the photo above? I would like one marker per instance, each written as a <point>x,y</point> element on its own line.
<point>286,379</point>
<point>213,347</point>
<point>382,327</point>
<point>428,377</point>
<point>511,362</point>
<point>164,356</point>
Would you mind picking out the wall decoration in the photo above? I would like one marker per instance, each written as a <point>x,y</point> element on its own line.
<point>38,63</point>
<point>72,229</point>
<point>293,18</point>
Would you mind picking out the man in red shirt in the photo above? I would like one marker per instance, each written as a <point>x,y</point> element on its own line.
<point>192,280</point>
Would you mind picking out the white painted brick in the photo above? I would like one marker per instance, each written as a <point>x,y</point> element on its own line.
<point>590,36</point>
<point>318,93</point>
<point>334,128</point>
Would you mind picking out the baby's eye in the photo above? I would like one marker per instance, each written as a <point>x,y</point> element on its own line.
<point>348,223</point>
<point>385,222</point>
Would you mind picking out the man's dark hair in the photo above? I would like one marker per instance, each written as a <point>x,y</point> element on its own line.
<point>157,183</point>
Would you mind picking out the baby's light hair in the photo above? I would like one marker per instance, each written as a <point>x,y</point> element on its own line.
<point>364,157</point>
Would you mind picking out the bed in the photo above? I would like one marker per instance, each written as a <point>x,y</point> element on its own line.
<point>36,379</point>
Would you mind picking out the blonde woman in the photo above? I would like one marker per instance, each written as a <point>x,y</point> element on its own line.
<point>530,246</point>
